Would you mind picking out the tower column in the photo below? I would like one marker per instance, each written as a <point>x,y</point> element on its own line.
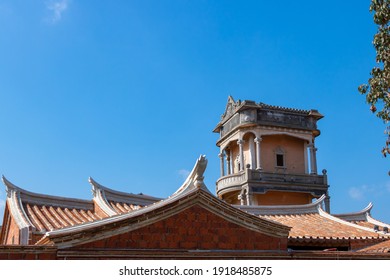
<point>313,159</point>
<point>241,148</point>
<point>231,167</point>
<point>222,157</point>
<point>305,156</point>
<point>249,198</point>
<point>258,152</point>
<point>228,167</point>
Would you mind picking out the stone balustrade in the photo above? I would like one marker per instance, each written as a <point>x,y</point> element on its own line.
<point>250,175</point>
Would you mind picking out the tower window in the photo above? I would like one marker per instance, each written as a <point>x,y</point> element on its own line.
<point>279,160</point>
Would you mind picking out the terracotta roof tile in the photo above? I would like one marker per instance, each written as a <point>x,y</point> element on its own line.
<point>382,247</point>
<point>46,218</point>
<point>87,215</point>
<point>314,225</point>
<point>122,207</point>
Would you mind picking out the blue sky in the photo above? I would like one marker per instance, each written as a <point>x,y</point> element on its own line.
<point>128,92</point>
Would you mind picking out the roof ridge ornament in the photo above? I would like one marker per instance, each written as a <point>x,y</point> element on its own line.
<point>10,187</point>
<point>17,211</point>
<point>99,196</point>
<point>231,107</point>
<point>195,178</point>
<point>361,215</point>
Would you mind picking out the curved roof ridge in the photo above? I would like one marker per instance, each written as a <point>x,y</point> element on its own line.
<point>16,208</point>
<point>370,219</point>
<point>10,187</point>
<point>356,216</point>
<point>344,222</point>
<point>40,199</point>
<point>283,209</point>
<point>107,194</point>
<point>195,178</point>
<point>111,192</point>
<point>99,197</point>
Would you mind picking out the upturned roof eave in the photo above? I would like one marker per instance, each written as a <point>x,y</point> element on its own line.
<point>125,195</point>
<point>42,199</point>
<point>356,216</point>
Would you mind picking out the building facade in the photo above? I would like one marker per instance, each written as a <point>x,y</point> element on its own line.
<point>268,155</point>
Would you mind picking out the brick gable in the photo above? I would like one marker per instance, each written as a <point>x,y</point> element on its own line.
<point>192,229</point>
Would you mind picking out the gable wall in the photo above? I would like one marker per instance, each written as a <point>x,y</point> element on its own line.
<point>193,228</point>
<point>10,229</point>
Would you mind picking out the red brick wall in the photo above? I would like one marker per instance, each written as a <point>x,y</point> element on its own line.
<point>194,228</point>
<point>27,253</point>
<point>363,243</point>
<point>12,237</point>
<point>35,237</point>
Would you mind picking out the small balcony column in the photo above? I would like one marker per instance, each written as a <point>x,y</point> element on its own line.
<point>258,153</point>
<point>242,197</point>
<point>252,152</point>
<point>228,167</point>
<point>222,157</point>
<point>313,159</point>
<point>306,158</point>
<point>231,167</point>
<point>241,148</point>
<point>249,199</point>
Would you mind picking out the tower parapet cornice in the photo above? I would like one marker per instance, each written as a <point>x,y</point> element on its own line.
<point>248,113</point>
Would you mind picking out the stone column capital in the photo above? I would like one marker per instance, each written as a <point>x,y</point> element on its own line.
<point>240,141</point>
<point>258,139</point>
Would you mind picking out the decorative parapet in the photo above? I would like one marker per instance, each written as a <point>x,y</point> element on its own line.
<point>261,177</point>
<point>229,181</point>
<point>243,113</point>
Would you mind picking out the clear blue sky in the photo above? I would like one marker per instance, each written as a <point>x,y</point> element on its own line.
<point>128,92</point>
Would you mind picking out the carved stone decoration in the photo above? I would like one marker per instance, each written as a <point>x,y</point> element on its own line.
<point>285,119</point>
<point>231,107</point>
<point>248,116</point>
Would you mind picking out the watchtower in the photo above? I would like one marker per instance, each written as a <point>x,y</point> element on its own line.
<point>268,155</point>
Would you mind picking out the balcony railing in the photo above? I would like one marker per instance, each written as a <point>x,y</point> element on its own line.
<point>250,175</point>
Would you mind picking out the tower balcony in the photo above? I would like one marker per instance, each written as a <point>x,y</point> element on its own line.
<point>258,181</point>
